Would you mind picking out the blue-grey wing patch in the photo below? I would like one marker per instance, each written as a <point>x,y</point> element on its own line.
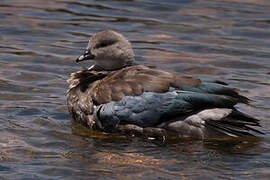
<point>187,113</point>
<point>150,109</point>
<point>218,88</point>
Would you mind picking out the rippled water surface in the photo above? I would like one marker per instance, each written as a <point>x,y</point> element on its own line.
<point>39,41</point>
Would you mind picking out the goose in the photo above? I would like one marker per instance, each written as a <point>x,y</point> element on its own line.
<point>116,95</point>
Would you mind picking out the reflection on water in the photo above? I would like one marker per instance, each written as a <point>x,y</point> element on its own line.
<point>39,41</point>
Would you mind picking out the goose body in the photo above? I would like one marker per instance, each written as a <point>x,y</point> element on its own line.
<point>114,95</point>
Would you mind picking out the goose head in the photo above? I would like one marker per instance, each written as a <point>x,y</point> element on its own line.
<point>108,50</point>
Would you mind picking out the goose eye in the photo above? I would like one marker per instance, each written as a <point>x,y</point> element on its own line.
<point>105,43</point>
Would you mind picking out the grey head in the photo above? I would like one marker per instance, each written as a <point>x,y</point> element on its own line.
<point>108,50</point>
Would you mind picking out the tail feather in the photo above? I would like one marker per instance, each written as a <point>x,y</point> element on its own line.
<point>236,124</point>
<point>238,115</point>
<point>241,122</point>
<point>227,130</point>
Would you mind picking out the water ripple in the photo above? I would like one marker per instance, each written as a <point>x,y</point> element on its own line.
<point>39,42</point>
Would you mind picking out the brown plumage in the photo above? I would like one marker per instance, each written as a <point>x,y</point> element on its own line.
<point>101,87</point>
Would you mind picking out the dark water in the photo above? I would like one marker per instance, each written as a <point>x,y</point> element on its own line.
<point>39,40</point>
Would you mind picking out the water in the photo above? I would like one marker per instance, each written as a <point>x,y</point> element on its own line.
<point>39,41</point>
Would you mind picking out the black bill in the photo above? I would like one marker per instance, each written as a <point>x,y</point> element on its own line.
<point>87,55</point>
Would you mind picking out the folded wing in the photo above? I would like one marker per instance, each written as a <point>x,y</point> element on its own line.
<point>180,111</point>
